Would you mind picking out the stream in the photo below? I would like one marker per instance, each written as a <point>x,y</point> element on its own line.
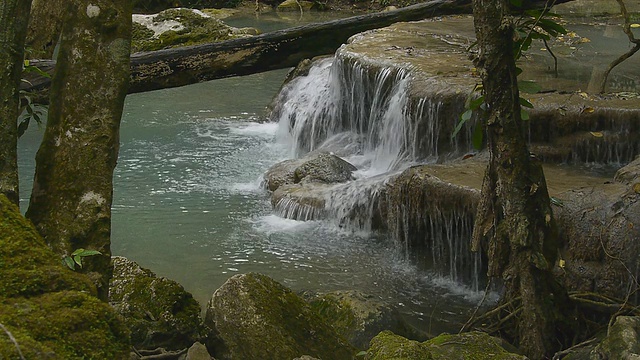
<point>189,205</point>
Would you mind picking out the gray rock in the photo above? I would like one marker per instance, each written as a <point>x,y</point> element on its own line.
<point>198,351</point>
<point>315,167</point>
<point>630,173</point>
<point>622,341</point>
<point>159,312</point>
<point>359,317</point>
<point>471,345</point>
<point>598,226</point>
<point>252,316</point>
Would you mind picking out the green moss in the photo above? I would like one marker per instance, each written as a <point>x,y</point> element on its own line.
<point>389,346</point>
<point>469,346</point>
<point>159,311</point>
<point>50,310</point>
<point>196,29</point>
<point>258,318</point>
<point>337,313</point>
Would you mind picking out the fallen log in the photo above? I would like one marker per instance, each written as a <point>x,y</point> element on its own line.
<point>281,49</point>
<point>270,51</point>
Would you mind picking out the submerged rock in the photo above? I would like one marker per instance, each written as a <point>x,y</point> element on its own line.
<point>465,346</point>
<point>181,27</point>
<point>51,311</point>
<point>254,317</point>
<point>159,311</point>
<point>359,317</point>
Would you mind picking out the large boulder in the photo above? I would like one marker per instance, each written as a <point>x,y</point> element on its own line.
<point>359,317</point>
<point>181,27</point>
<point>622,340</point>
<point>51,311</point>
<point>251,316</point>
<point>466,346</point>
<point>319,167</point>
<point>159,311</point>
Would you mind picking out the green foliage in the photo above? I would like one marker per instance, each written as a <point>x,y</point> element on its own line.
<point>77,256</point>
<point>28,109</point>
<point>531,25</point>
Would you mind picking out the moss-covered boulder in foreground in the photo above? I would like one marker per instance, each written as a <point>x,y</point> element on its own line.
<point>51,311</point>
<point>359,317</point>
<point>466,346</point>
<point>159,311</point>
<point>254,317</point>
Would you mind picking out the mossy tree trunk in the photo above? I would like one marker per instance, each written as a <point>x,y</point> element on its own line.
<point>73,185</point>
<point>45,26</point>
<point>14,15</point>
<point>514,215</point>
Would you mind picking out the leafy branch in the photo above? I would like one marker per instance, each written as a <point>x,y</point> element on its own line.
<point>77,256</point>
<point>532,25</point>
<point>28,109</point>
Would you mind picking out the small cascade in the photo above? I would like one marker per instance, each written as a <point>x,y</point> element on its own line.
<point>340,96</point>
<point>368,116</point>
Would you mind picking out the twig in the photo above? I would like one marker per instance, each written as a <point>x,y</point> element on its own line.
<point>559,354</point>
<point>627,30</point>
<point>470,321</point>
<point>13,340</point>
<point>555,59</point>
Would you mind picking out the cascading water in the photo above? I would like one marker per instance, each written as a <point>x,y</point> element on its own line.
<point>367,116</point>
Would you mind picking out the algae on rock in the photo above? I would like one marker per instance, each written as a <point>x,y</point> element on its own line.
<point>254,317</point>
<point>159,311</point>
<point>50,310</point>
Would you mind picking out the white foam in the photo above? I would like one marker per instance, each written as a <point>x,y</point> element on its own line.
<point>271,224</point>
<point>266,129</point>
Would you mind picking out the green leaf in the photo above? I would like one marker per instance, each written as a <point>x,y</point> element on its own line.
<point>524,102</point>
<point>516,3</point>
<point>478,136</point>
<point>475,104</point>
<point>460,124</point>
<point>361,353</point>
<point>466,116</point>
<point>78,251</point>
<point>23,126</point>
<point>78,260</point>
<point>524,114</point>
<point>552,27</point>
<point>529,87</point>
<point>69,262</point>
<point>84,253</point>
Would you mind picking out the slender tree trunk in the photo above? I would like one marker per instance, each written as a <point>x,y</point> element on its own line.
<point>45,27</point>
<point>514,215</point>
<point>72,191</point>
<point>14,15</point>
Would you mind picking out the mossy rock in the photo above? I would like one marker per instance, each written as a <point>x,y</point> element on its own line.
<point>473,345</point>
<point>466,346</point>
<point>254,317</point>
<point>159,311</point>
<point>181,27</point>
<point>389,346</point>
<point>359,317</point>
<point>621,341</point>
<point>51,311</point>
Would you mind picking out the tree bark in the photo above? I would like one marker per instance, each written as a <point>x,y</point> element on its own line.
<point>515,219</point>
<point>45,27</point>
<point>73,185</point>
<point>14,15</point>
<point>275,50</point>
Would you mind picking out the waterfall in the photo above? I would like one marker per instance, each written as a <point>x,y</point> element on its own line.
<point>343,98</point>
<point>368,116</point>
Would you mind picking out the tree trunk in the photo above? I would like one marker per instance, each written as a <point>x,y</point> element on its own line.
<point>514,215</point>
<point>14,15</point>
<point>73,185</point>
<point>45,26</point>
